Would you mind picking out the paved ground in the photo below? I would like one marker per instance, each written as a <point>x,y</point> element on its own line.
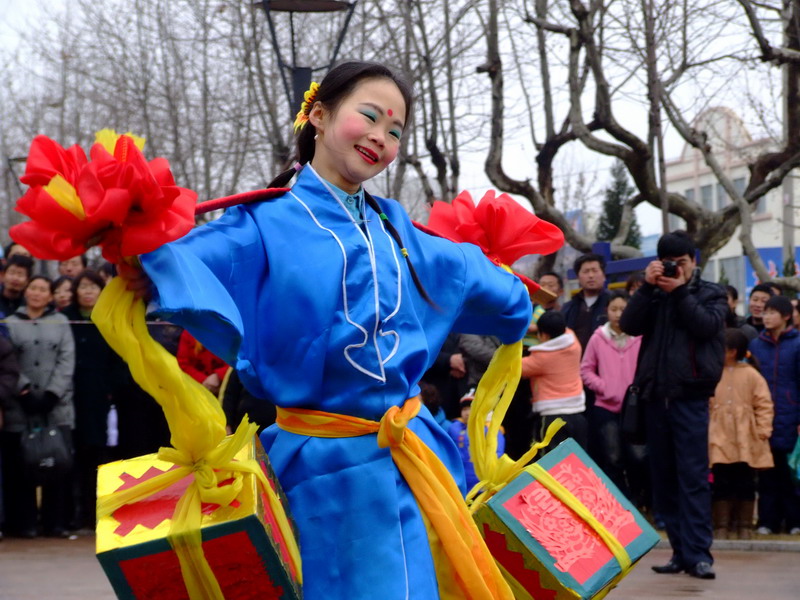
<point>42,569</point>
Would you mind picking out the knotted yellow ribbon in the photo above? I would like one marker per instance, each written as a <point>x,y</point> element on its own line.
<point>464,566</point>
<point>200,447</point>
<point>494,394</point>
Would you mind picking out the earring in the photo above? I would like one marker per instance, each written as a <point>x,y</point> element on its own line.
<point>316,136</point>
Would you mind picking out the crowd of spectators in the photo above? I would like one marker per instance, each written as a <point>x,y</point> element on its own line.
<point>721,393</point>
<point>57,370</point>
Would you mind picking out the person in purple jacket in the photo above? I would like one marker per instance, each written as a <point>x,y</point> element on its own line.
<point>607,368</point>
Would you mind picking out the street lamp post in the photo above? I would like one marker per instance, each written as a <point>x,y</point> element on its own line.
<point>297,78</point>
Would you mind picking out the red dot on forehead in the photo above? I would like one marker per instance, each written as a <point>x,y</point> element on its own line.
<point>389,112</point>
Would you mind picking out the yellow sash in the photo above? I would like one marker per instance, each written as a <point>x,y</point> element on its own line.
<point>492,399</point>
<point>200,447</point>
<point>464,566</point>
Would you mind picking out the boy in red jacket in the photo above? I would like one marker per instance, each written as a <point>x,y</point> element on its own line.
<point>197,361</point>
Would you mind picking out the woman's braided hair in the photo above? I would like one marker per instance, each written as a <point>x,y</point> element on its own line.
<point>335,87</point>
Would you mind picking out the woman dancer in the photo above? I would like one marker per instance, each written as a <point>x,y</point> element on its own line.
<point>331,304</point>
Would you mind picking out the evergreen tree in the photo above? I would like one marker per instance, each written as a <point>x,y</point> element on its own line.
<point>616,193</point>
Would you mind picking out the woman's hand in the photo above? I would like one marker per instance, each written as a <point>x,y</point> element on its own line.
<point>212,383</point>
<point>136,280</point>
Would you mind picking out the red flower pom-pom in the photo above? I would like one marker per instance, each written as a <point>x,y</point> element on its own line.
<point>503,229</point>
<point>118,200</point>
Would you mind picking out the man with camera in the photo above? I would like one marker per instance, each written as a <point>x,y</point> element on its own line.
<point>681,318</point>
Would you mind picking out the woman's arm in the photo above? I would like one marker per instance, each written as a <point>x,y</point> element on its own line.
<point>589,366</point>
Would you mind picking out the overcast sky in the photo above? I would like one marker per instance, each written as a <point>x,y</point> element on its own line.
<point>15,13</point>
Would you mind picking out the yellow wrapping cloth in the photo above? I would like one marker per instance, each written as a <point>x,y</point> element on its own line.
<point>464,566</point>
<point>200,446</point>
<point>492,399</point>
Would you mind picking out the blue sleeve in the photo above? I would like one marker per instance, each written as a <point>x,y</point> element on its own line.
<point>501,443</point>
<point>477,296</point>
<point>495,302</point>
<point>195,285</point>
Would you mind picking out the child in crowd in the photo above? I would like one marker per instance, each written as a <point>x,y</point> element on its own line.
<point>607,368</point>
<point>777,349</point>
<point>740,423</point>
<point>432,400</point>
<point>458,431</point>
<point>554,368</point>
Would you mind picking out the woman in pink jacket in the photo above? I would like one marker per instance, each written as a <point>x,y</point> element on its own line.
<point>607,368</point>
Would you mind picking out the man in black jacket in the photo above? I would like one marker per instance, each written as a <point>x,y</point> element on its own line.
<point>587,309</point>
<point>681,318</point>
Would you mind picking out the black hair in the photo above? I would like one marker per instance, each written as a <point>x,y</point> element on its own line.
<point>616,294</point>
<point>62,279</point>
<point>585,258</point>
<point>22,261</point>
<point>92,276</point>
<point>735,339</point>
<point>84,260</point>
<point>42,277</point>
<point>762,287</point>
<point>776,289</point>
<point>675,244</point>
<point>7,248</point>
<point>556,275</point>
<point>552,323</point>
<point>373,204</point>
<point>782,304</point>
<point>430,396</point>
<point>335,87</point>
<point>732,292</point>
<point>108,268</point>
<point>634,280</point>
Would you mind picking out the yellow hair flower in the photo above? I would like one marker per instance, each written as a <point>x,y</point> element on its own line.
<point>305,108</point>
<point>108,139</point>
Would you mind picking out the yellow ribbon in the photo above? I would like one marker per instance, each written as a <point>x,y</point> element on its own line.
<point>494,394</point>
<point>464,566</point>
<point>200,447</point>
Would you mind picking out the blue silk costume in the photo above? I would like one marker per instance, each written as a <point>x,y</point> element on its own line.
<point>317,311</point>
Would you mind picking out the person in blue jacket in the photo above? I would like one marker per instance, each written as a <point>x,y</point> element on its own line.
<point>329,299</point>
<point>458,431</point>
<point>777,349</point>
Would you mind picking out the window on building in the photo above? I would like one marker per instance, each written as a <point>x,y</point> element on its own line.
<point>710,271</point>
<point>707,197</point>
<point>761,205</point>
<point>732,269</point>
<point>740,183</point>
<point>689,194</point>
<point>723,199</point>
<point>675,222</point>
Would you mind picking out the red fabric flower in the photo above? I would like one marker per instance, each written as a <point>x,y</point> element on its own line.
<point>503,229</point>
<point>121,201</point>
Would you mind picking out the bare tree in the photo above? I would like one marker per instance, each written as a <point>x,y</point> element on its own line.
<point>769,168</point>
<point>201,81</point>
<point>609,46</point>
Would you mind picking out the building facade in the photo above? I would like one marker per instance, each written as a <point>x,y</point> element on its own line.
<point>773,217</point>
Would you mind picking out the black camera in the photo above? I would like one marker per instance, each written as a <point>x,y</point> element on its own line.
<point>670,269</point>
